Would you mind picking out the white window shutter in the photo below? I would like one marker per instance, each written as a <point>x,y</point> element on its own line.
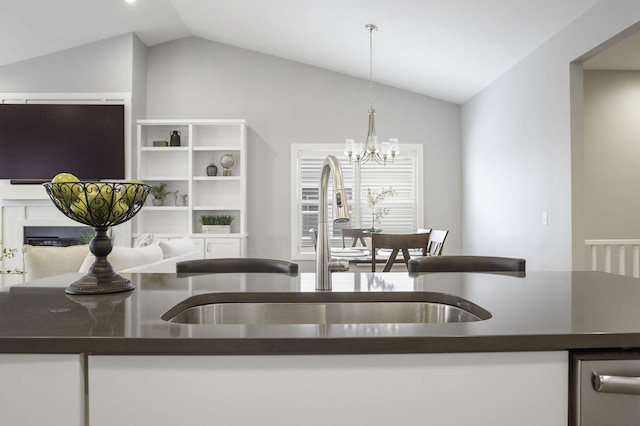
<point>402,175</point>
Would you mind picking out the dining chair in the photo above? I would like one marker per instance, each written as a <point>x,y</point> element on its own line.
<point>356,234</point>
<point>236,264</point>
<point>492,264</point>
<point>397,243</point>
<point>436,242</point>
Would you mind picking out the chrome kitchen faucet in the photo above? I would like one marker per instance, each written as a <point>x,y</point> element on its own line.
<point>341,213</point>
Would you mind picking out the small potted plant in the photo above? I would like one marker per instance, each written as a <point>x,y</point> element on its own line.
<point>216,224</point>
<point>159,192</point>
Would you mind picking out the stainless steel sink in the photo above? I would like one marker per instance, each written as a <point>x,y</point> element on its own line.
<point>324,308</point>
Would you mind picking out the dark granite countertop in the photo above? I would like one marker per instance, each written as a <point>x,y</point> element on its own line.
<point>544,311</point>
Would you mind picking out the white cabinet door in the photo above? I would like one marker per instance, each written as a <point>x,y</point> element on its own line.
<point>199,243</point>
<point>221,247</point>
<point>525,389</point>
<point>41,390</point>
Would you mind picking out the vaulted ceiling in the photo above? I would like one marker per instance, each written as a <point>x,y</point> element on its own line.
<point>448,49</point>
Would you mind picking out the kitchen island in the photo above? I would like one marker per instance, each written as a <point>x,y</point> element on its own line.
<point>509,369</point>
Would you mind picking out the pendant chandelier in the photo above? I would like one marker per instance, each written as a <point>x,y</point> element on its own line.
<point>371,149</point>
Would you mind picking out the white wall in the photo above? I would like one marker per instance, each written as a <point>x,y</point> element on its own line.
<point>517,146</point>
<point>138,89</point>
<point>103,66</point>
<point>286,102</point>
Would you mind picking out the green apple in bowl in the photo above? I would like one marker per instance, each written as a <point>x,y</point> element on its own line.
<point>66,193</point>
<point>131,192</point>
<point>94,199</point>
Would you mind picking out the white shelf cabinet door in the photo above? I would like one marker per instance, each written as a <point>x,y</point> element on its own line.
<point>221,247</point>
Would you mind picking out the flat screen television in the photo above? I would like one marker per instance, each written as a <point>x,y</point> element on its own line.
<point>38,141</point>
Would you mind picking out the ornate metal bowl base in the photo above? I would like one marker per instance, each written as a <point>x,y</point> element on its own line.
<point>101,278</point>
<point>95,284</point>
<point>99,205</point>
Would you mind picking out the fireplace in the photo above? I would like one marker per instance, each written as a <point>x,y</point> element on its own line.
<point>59,236</point>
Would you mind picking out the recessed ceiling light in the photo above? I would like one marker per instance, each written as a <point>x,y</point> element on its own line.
<point>130,1</point>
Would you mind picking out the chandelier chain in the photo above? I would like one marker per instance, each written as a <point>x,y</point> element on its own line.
<point>371,27</point>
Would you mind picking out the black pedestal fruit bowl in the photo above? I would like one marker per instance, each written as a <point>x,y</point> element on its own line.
<point>99,205</point>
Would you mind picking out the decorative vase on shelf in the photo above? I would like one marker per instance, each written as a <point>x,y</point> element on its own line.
<point>227,162</point>
<point>212,169</point>
<point>174,139</point>
<point>99,205</point>
<point>176,197</point>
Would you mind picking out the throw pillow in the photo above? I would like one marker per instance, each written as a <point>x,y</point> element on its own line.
<point>176,247</point>
<point>44,261</point>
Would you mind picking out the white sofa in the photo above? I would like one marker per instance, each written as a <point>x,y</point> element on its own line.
<point>161,256</point>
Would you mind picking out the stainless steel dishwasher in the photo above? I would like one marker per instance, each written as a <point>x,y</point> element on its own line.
<point>605,388</point>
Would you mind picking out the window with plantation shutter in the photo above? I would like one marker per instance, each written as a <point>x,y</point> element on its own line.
<point>404,175</point>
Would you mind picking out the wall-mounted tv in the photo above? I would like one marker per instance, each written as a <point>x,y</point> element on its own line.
<point>38,141</point>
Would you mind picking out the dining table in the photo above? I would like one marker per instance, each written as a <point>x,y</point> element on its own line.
<point>362,255</point>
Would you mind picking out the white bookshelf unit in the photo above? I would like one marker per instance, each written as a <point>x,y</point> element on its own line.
<point>184,169</point>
